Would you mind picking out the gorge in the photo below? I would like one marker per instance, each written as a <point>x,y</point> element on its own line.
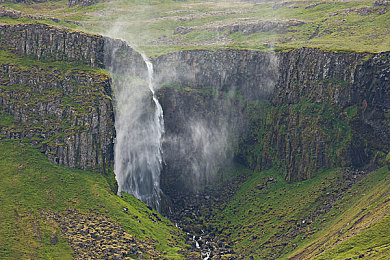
<point>196,133</point>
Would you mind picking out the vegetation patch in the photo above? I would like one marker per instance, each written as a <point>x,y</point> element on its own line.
<point>154,26</point>
<point>337,209</point>
<point>36,195</point>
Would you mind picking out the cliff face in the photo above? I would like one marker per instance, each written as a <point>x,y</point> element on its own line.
<point>53,44</point>
<point>341,103</point>
<point>50,43</point>
<point>251,74</point>
<point>67,113</point>
<point>299,110</point>
<point>50,94</point>
<point>203,113</point>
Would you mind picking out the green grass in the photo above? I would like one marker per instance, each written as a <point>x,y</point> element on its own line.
<point>361,227</point>
<point>25,62</point>
<point>6,119</point>
<point>30,183</point>
<point>270,220</point>
<point>330,24</point>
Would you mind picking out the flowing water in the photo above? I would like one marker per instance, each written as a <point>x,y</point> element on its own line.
<point>139,125</point>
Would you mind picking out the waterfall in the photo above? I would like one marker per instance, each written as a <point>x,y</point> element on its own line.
<point>139,125</point>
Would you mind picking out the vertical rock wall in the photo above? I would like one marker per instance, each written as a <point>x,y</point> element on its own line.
<point>50,94</point>
<point>201,95</point>
<point>300,110</point>
<point>335,106</point>
<point>68,114</point>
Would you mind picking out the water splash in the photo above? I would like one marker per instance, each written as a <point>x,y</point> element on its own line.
<point>139,124</point>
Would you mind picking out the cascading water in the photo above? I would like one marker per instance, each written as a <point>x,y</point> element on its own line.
<point>139,125</point>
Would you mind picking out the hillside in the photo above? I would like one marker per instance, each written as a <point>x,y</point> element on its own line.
<point>253,129</point>
<point>339,214</point>
<point>165,26</point>
<point>52,212</point>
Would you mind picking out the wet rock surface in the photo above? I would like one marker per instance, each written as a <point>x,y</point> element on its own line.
<point>192,213</point>
<point>318,98</point>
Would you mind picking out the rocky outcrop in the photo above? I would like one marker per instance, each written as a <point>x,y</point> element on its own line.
<point>244,25</point>
<point>250,73</point>
<point>317,109</point>
<point>347,96</point>
<point>68,114</point>
<point>71,3</point>
<point>54,97</point>
<point>381,3</point>
<point>51,43</point>
<point>11,13</point>
<point>83,3</point>
<point>28,1</point>
<point>95,236</point>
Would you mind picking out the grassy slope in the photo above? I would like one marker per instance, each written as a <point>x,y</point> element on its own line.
<point>362,228</point>
<point>330,24</point>
<point>274,220</point>
<point>256,215</point>
<point>30,183</point>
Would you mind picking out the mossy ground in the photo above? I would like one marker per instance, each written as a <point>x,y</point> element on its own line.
<point>346,25</point>
<point>30,184</point>
<point>268,217</point>
<point>323,218</point>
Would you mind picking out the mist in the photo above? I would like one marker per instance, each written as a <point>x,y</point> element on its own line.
<point>195,143</point>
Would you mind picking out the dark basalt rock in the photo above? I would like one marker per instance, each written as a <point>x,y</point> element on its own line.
<point>77,133</point>
<point>317,109</point>
<point>51,43</point>
<point>67,113</point>
<point>325,135</point>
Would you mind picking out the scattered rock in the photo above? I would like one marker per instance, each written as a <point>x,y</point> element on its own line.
<point>381,3</point>
<point>54,238</point>
<point>7,12</point>
<point>94,236</point>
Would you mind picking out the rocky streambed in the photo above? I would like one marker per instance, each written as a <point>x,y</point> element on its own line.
<point>193,213</point>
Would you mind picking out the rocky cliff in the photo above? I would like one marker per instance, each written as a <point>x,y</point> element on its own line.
<point>66,112</point>
<point>202,110</point>
<point>250,73</point>
<point>336,109</point>
<point>51,43</point>
<point>54,91</point>
<point>299,110</point>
